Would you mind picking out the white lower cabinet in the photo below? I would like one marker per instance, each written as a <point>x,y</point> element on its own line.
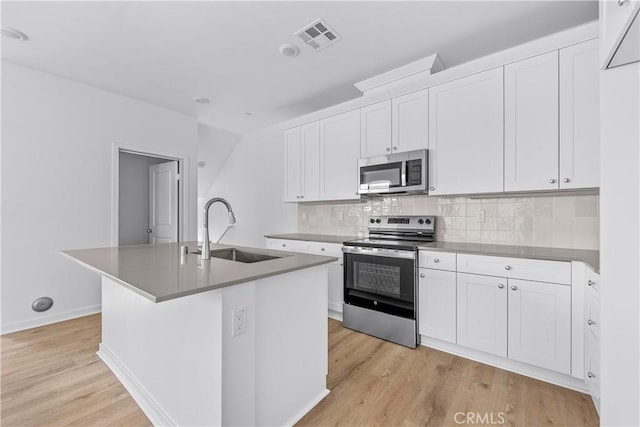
<point>437,304</point>
<point>336,270</point>
<point>539,323</point>
<point>482,313</point>
<point>592,337</point>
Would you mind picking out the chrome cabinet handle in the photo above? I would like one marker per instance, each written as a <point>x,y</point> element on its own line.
<point>387,149</point>
<point>395,148</point>
<point>507,267</point>
<point>552,181</point>
<point>566,180</point>
<point>284,245</point>
<point>322,249</point>
<point>432,188</point>
<point>621,2</point>
<point>514,287</point>
<point>422,275</point>
<point>436,260</point>
<point>590,282</point>
<point>500,286</point>
<point>590,322</point>
<point>297,197</point>
<point>302,197</point>
<point>590,374</point>
<point>149,230</point>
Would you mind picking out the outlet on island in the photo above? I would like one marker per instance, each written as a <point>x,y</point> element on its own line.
<point>239,321</point>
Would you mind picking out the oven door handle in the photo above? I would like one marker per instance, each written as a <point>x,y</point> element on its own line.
<point>388,253</point>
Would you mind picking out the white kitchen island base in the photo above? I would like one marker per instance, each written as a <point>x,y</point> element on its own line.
<point>181,363</point>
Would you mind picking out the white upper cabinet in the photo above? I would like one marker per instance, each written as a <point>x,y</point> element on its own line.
<point>375,129</point>
<point>531,124</point>
<point>292,164</point>
<point>410,121</point>
<point>339,154</point>
<point>466,135</point>
<point>580,116</point>
<point>619,20</point>
<point>302,163</point>
<point>540,324</point>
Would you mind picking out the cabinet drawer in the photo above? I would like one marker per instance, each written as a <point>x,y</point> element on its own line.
<point>321,248</point>
<point>437,260</point>
<point>287,245</point>
<point>516,268</point>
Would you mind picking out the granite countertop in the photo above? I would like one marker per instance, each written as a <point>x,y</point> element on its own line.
<point>160,273</point>
<point>325,238</point>
<point>589,257</point>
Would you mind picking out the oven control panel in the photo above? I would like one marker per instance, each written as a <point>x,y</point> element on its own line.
<point>407,223</point>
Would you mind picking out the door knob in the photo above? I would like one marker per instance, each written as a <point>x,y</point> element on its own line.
<point>591,282</point>
<point>590,322</point>
<point>149,230</point>
<point>590,374</point>
<point>566,180</point>
<point>432,188</point>
<point>552,181</point>
<point>500,286</point>
<point>395,148</point>
<point>507,267</point>
<point>422,275</point>
<point>387,149</point>
<point>436,260</point>
<point>514,287</point>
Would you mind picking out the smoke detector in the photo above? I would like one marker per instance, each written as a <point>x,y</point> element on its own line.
<point>318,34</point>
<point>289,50</point>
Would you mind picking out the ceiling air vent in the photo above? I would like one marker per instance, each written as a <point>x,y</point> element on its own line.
<point>318,34</point>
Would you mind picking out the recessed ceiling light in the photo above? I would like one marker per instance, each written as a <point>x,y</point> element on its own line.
<point>14,34</point>
<point>202,100</point>
<point>289,50</point>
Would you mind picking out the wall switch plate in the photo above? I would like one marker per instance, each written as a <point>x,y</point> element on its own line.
<point>481,216</point>
<point>239,321</point>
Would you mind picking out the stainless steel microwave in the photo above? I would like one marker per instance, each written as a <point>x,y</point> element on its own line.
<point>404,172</point>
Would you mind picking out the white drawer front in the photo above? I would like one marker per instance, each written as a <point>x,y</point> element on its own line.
<point>516,268</point>
<point>328,249</point>
<point>287,245</point>
<point>437,260</point>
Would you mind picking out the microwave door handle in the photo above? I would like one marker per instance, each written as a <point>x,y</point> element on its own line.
<point>403,171</point>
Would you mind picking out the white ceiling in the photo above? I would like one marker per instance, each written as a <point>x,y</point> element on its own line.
<point>166,53</point>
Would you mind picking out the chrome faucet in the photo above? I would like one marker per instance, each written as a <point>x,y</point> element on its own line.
<point>206,246</point>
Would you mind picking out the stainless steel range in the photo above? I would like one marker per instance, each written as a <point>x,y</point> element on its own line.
<point>380,277</point>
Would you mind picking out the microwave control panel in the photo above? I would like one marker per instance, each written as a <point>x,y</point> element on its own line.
<point>414,172</point>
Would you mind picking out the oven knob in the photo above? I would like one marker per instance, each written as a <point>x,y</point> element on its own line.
<point>372,220</point>
<point>377,220</point>
<point>428,221</point>
<point>420,221</point>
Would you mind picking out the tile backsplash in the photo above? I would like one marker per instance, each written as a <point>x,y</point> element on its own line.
<point>559,221</point>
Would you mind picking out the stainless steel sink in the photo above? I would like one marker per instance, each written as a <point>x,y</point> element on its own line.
<point>239,256</point>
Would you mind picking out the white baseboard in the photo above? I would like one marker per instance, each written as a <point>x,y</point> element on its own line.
<point>337,315</point>
<point>49,319</point>
<point>541,374</point>
<point>155,413</point>
<point>306,408</point>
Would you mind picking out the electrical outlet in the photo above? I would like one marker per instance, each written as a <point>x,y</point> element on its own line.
<point>481,216</point>
<point>239,321</point>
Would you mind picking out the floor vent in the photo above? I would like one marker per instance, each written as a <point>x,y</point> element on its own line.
<point>318,34</point>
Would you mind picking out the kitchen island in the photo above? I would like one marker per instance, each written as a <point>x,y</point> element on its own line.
<point>239,339</point>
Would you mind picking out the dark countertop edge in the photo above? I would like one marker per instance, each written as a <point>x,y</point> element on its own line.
<point>310,237</point>
<point>157,299</point>
<point>491,250</point>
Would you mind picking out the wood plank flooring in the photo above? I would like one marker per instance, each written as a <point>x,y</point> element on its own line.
<point>52,376</point>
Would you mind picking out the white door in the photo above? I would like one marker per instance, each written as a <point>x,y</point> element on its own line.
<point>466,135</point>
<point>339,154</point>
<point>310,161</point>
<point>163,202</point>
<point>375,133</point>
<point>580,116</point>
<point>410,121</point>
<point>437,304</point>
<point>292,165</point>
<point>482,313</point>
<point>540,324</point>
<point>531,124</point>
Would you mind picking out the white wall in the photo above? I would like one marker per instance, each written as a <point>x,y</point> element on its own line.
<point>620,245</point>
<point>251,180</point>
<point>214,147</point>
<point>57,154</point>
<point>133,206</point>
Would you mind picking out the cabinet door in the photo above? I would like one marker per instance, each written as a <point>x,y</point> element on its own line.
<point>580,116</point>
<point>336,280</point>
<point>540,324</point>
<point>531,124</point>
<point>592,368</point>
<point>466,135</point>
<point>292,165</point>
<point>410,121</point>
<point>482,313</point>
<point>375,125</point>
<point>616,18</point>
<point>339,154</point>
<point>437,304</point>
<point>310,162</point>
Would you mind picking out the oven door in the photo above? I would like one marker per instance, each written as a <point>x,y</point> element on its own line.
<point>380,279</point>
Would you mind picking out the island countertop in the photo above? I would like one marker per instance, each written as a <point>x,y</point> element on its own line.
<point>160,272</point>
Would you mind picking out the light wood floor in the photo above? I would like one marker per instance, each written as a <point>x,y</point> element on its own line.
<point>52,376</point>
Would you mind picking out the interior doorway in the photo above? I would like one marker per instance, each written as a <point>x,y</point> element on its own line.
<point>148,199</point>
